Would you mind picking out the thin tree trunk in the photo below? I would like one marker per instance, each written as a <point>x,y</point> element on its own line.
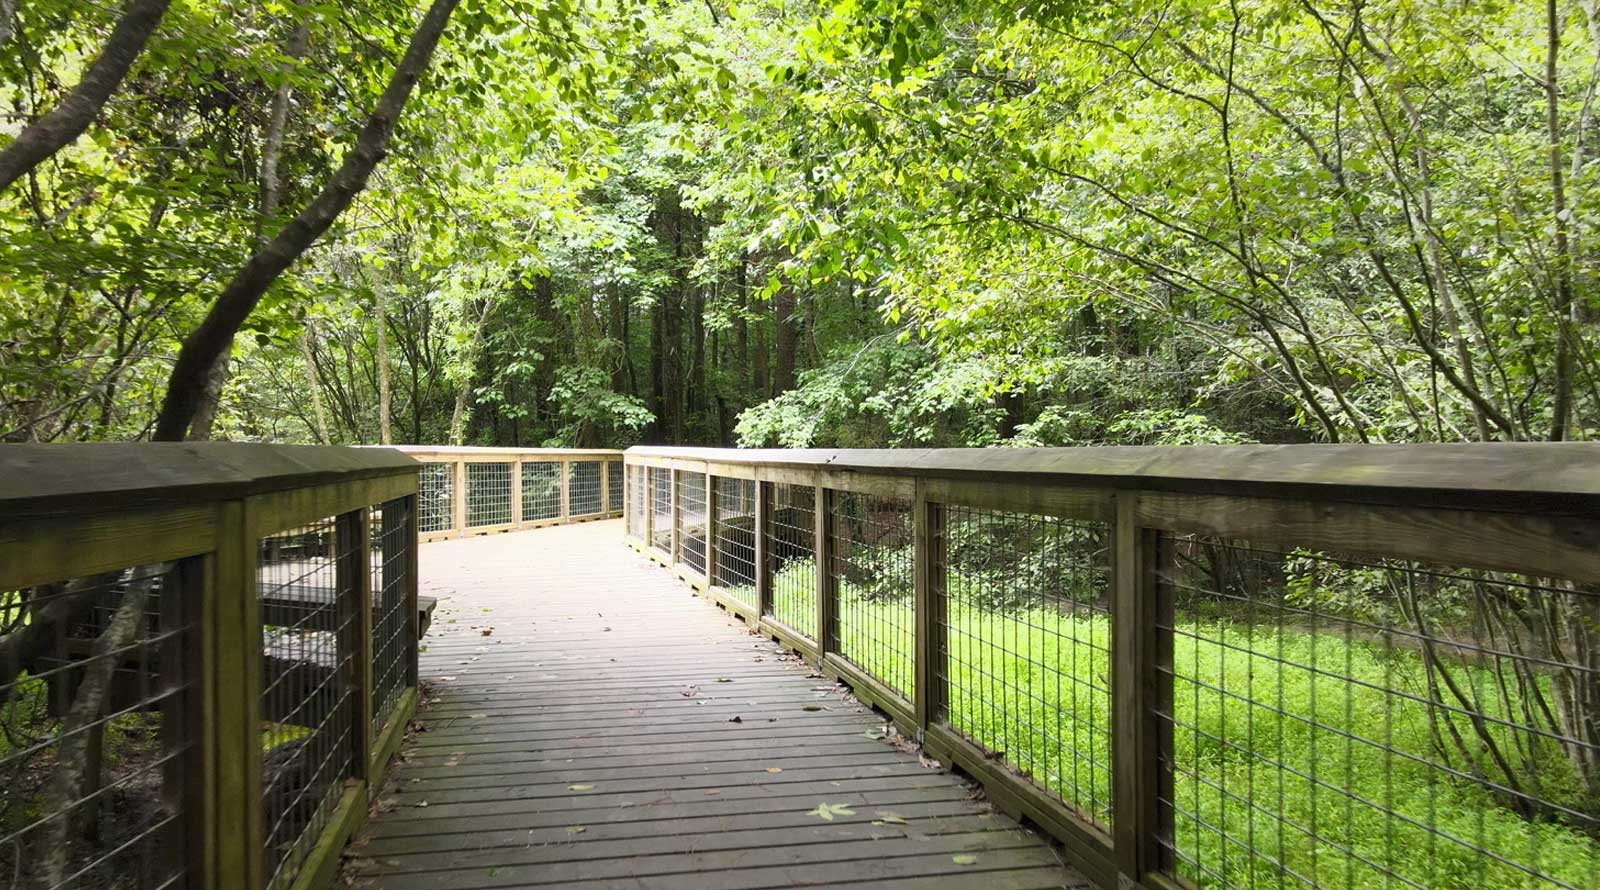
<point>239,298</point>
<point>67,121</point>
<point>308,352</point>
<point>787,339</point>
<point>385,399</point>
<point>1561,409</point>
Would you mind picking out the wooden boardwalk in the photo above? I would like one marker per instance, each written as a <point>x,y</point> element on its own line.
<point>592,724</point>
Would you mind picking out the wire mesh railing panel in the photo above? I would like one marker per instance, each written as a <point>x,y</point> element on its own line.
<point>391,625</point>
<point>661,509</point>
<point>435,497</point>
<point>1350,723</point>
<point>1026,635</point>
<point>94,729</point>
<point>734,568</point>
<point>692,520</point>
<point>793,545</point>
<point>308,626</point>
<point>613,486</point>
<point>583,488</point>
<point>541,490</point>
<point>874,570</point>
<point>638,502</point>
<point>488,494</point>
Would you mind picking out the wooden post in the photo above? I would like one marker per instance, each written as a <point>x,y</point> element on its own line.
<point>238,687</point>
<point>763,543</point>
<point>516,492</point>
<point>827,585</point>
<point>459,502</point>
<point>191,717</point>
<point>353,586</point>
<point>413,618</point>
<point>677,521</point>
<point>566,490</point>
<point>605,487</point>
<point>932,606</point>
<point>649,506</point>
<point>711,530</point>
<point>1139,605</point>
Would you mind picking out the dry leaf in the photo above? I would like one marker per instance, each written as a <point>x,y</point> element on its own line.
<point>580,787</point>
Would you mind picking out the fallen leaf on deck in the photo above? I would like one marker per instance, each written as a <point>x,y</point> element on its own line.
<point>964,859</point>
<point>774,769</point>
<point>811,708</point>
<point>580,787</point>
<point>826,811</point>
<point>891,817</point>
<point>576,829</point>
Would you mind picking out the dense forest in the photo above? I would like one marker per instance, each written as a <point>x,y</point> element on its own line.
<point>868,222</point>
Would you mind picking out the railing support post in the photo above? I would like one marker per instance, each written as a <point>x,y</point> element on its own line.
<point>711,531</point>
<point>516,492</point>
<point>763,548</point>
<point>353,581</point>
<point>566,491</point>
<point>673,512</point>
<point>1141,651</point>
<point>459,502</point>
<point>927,522</point>
<point>412,543</point>
<point>827,586</point>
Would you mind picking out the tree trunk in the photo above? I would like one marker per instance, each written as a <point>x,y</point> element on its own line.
<point>1561,408</point>
<point>239,298</point>
<point>308,352</point>
<point>64,123</point>
<point>385,397</point>
<point>788,339</point>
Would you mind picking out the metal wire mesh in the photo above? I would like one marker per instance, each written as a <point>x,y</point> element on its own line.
<point>583,488</point>
<point>308,601</point>
<point>541,490</point>
<point>391,625</point>
<point>1026,633</point>
<point>613,486</point>
<point>661,509</point>
<point>734,568</point>
<point>638,503</point>
<point>488,494</point>
<point>1337,722</point>
<point>692,520</point>
<point>794,554</point>
<point>435,497</point>
<point>874,576</point>
<point>93,729</point>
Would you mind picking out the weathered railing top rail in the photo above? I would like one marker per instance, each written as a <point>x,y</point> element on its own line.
<point>1547,477</point>
<point>1312,666</point>
<point>211,650</point>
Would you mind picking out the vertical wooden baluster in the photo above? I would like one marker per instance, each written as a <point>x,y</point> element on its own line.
<point>459,502</point>
<point>413,617</point>
<point>189,662</point>
<point>932,607</point>
<point>516,493</point>
<point>353,586</point>
<point>1141,602</point>
<point>711,530</point>
<point>763,545</point>
<point>566,491</point>
<point>827,584</point>
<point>677,520</point>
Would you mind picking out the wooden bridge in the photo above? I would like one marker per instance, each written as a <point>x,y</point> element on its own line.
<point>1340,667</point>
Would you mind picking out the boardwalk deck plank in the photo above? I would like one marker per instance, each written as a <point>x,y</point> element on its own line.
<point>591,724</point>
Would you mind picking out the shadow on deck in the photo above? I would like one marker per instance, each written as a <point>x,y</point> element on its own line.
<point>590,723</point>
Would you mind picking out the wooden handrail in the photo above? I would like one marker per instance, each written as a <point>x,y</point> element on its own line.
<point>1446,514</point>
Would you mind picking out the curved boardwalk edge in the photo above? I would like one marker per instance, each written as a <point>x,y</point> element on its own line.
<point>592,724</point>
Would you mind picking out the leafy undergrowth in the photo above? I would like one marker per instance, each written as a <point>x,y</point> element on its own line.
<point>1298,758</point>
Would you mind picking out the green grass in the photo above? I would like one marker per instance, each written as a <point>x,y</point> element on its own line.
<point>1326,774</point>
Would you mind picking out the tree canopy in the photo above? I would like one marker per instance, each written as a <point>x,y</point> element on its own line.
<point>858,222</point>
